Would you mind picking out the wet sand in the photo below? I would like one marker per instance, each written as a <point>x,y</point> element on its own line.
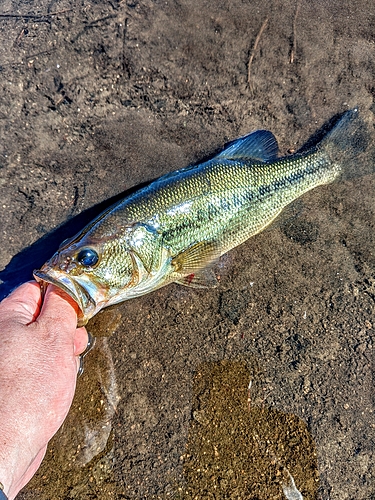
<point>100,97</point>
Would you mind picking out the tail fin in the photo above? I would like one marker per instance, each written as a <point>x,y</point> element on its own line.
<point>345,143</point>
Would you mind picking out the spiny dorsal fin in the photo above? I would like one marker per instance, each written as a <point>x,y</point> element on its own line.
<point>260,145</point>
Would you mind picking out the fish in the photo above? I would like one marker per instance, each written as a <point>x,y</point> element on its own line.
<point>177,227</point>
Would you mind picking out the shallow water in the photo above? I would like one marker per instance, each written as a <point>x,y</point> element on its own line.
<point>104,96</point>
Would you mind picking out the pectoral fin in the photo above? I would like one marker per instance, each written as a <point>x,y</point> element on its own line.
<point>190,265</point>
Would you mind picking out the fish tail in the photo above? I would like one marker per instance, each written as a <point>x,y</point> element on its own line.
<point>344,144</point>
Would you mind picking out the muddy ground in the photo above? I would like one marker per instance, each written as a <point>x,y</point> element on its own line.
<point>98,97</point>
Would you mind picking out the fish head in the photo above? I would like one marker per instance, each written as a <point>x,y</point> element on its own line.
<point>92,272</point>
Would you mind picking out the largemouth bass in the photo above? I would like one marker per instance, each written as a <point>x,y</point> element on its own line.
<point>176,227</point>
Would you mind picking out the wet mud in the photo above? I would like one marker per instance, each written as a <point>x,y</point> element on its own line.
<point>239,448</point>
<point>100,97</point>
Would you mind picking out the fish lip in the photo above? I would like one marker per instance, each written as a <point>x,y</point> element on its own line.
<point>86,304</point>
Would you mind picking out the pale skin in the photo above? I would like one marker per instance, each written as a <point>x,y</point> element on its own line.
<point>39,359</point>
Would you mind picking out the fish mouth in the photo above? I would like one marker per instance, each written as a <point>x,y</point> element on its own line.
<point>85,302</point>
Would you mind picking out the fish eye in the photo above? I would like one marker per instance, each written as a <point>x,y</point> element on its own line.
<point>88,257</point>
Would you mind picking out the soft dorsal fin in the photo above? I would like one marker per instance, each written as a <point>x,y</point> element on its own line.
<point>260,145</point>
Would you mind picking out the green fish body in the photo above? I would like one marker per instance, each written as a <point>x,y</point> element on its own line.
<point>176,227</point>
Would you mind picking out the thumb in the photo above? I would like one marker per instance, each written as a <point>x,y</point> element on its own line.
<point>58,307</point>
<point>80,340</point>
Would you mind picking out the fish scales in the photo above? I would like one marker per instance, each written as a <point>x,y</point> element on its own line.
<point>243,200</point>
<point>239,197</point>
<point>177,226</point>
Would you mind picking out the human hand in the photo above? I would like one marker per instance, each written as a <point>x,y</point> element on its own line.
<point>39,347</point>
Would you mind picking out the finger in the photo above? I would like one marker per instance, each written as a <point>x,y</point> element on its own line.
<point>58,307</point>
<point>34,466</point>
<point>23,304</point>
<point>80,340</point>
<point>78,363</point>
